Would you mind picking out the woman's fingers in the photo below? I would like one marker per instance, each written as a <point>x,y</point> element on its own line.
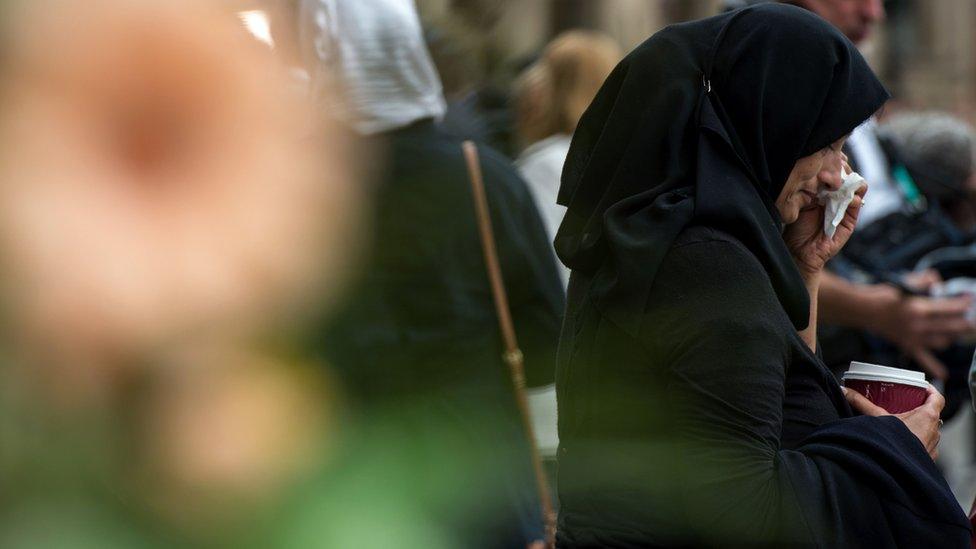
<point>854,207</point>
<point>934,399</point>
<point>924,421</point>
<point>950,327</point>
<point>858,200</point>
<point>861,404</point>
<point>956,306</point>
<point>933,405</point>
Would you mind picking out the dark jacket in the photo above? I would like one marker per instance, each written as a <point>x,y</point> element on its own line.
<point>419,329</point>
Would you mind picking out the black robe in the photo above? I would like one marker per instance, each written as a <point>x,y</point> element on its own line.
<point>717,426</point>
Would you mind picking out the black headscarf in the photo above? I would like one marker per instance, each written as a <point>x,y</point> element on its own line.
<point>702,124</point>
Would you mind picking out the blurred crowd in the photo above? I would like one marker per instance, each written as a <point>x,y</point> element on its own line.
<point>245,293</point>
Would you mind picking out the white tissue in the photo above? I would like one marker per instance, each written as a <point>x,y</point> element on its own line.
<point>836,202</point>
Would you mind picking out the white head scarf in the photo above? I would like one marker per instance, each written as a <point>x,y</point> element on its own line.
<point>375,50</point>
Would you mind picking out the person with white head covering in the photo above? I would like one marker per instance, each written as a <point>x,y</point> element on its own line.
<point>377,49</point>
<point>419,330</point>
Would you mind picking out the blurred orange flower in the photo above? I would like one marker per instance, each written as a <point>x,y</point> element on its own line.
<point>157,178</point>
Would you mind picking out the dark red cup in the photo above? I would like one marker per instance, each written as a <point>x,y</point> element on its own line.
<point>894,389</point>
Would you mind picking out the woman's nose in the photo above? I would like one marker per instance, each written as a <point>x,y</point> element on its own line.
<point>830,173</point>
<point>830,176</point>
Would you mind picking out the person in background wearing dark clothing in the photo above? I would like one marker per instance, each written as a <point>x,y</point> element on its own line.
<point>418,337</point>
<point>915,324</point>
<point>693,408</point>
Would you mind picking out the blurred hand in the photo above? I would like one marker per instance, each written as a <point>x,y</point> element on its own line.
<point>806,240</point>
<point>922,280</point>
<point>923,421</point>
<point>917,324</point>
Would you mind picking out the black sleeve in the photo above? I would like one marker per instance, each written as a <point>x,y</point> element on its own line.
<point>862,481</point>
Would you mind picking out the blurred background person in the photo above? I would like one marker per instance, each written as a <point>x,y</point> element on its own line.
<point>938,149</point>
<point>857,19</point>
<point>473,71</point>
<point>417,340</point>
<point>548,98</point>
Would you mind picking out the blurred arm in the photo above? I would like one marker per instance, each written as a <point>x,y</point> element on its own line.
<point>854,305</point>
<point>915,324</point>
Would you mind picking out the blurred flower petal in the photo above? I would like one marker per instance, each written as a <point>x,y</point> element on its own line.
<point>157,177</point>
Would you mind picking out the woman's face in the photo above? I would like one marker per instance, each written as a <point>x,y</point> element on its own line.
<point>811,174</point>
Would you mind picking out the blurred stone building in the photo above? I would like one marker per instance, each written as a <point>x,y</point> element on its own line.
<point>502,35</point>
<point>925,51</point>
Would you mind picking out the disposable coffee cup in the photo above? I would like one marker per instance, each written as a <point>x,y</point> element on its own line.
<point>894,389</point>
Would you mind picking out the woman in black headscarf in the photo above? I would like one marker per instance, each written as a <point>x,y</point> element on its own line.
<point>693,409</point>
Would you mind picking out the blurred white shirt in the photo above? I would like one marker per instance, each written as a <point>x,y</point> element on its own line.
<point>883,196</point>
<point>541,165</point>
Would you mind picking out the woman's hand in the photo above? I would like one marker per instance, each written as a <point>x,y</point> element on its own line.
<point>806,240</point>
<point>923,421</point>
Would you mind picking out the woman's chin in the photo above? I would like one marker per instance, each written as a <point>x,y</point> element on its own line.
<point>790,216</point>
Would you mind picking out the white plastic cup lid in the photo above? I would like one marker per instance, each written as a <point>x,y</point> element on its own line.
<point>873,372</point>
